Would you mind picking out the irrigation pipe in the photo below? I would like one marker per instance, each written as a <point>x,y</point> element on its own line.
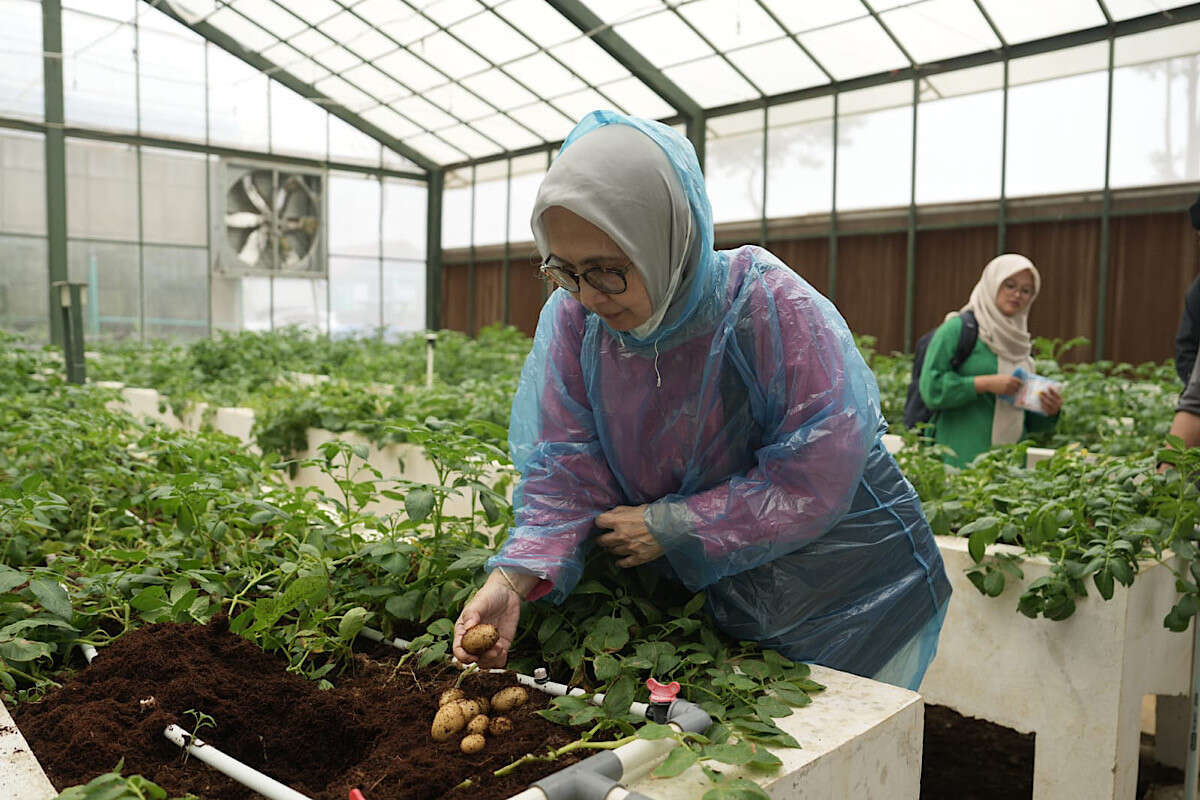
<point>251,778</point>
<point>1189,784</point>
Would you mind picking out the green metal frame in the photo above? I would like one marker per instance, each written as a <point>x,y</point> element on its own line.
<point>910,271</point>
<point>1106,213</point>
<point>433,249</point>
<point>56,160</point>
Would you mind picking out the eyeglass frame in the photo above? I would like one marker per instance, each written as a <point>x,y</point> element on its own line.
<point>1019,290</point>
<point>552,266</point>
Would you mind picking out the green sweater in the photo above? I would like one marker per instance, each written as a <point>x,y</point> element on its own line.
<point>962,418</point>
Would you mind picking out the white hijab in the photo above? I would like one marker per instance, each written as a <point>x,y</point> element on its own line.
<point>1008,337</point>
<point>620,180</point>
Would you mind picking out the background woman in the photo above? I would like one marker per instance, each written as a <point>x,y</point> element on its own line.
<point>708,415</point>
<point>967,417</point>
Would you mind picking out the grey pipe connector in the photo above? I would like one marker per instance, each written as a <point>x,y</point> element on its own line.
<point>590,779</point>
<point>688,716</point>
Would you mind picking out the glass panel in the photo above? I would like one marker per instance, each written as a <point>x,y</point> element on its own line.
<point>939,29</point>
<point>176,292</point>
<point>958,148</point>
<point>1152,141</point>
<point>237,98</point>
<point>589,61</point>
<point>472,142</point>
<point>448,12</point>
<point>799,159</point>
<point>711,82</point>
<point>347,143</point>
<point>393,160</point>
<point>247,34</point>
<point>344,28</point>
<point>24,287</point>
<point>731,23</point>
<point>649,34</point>
<point>102,197</point>
<point>874,159</point>
<point>174,208</point>
<point>733,168</point>
<point>435,149</point>
<point>270,16</point>
<point>1177,40</point>
<point>778,67</point>
<point>22,183</point>
<point>506,132</point>
<point>1058,64</point>
<point>337,59</point>
<point>396,20</point>
<point>371,45</point>
<point>424,113</point>
<point>354,209</point>
<point>349,97</point>
<point>449,56</point>
<point>1056,135</point>
<point>889,95</point>
<point>968,81</point>
<point>297,124</point>
<point>403,296</point>
<point>111,273</point>
<point>391,122</point>
<point>1124,9</point>
<point>354,296</point>
<point>527,174</point>
<point>99,74</point>
<point>1022,20</point>
<point>543,73</point>
<point>21,59</point>
<point>368,79</point>
<point>579,104</point>
<point>300,301</point>
<point>405,207</point>
<point>637,98</point>
<point>797,17</point>
<point>412,71</point>
<point>314,11</point>
<point>491,203</point>
<point>255,302</point>
<point>458,101</point>
<point>311,42</point>
<point>493,38</point>
<point>500,90</point>
<point>171,67</point>
<point>854,48</point>
<point>545,120</point>
<point>456,210</point>
<point>538,21</point>
<point>617,10</point>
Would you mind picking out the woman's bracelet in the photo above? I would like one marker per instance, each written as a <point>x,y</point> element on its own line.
<point>511,585</point>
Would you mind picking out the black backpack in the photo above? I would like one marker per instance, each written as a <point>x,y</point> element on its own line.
<point>915,410</point>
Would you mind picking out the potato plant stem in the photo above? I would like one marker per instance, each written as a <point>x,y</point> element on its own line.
<point>554,755</point>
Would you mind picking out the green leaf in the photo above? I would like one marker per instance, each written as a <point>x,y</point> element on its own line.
<point>609,634</point>
<point>739,789</point>
<point>735,754</point>
<point>764,759</point>
<point>418,504</point>
<point>404,606</point>
<point>10,579</point>
<point>677,761</point>
<point>1121,571</point>
<point>606,667</point>
<point>1104,582</point>
<point>619,696</point>
<point>260,518</point>
<point>653,730</point>
<point>52,596</point>
<point>694,605</point>
<point>352,622</point>
<point>993,583</point>
<point>20,649</point>
<point>186,519</point>
<point>491,509</point>
<point>549,627</point>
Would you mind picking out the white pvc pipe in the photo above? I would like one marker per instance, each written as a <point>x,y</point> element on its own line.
<point>89,652</point>
<point>560,689</point>
<point>430,339</point>
<point>251,778</point>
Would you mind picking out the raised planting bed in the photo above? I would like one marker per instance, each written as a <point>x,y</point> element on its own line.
<point>370,731</point>
<point>1077,684</point>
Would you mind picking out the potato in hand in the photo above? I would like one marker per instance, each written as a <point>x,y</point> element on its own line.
<point>479,639</point>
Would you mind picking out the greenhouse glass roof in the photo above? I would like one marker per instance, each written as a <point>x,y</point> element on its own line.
<point>456,80</point>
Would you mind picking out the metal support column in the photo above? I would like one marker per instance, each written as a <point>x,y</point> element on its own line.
<point>433,250</point>
<point>910,275</point>
<point>1106,212</point>
<point>56,162</point>
<point>696,134</point>
<point>1002,221</point>
<point>506,269</point>
<point>471,265</point>
<point>66,302</point>
<point>831,291</point>
<point>762,217</point>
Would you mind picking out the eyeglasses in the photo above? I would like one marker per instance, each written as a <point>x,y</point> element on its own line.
<point>1023,291</point>
<point>602,279</point>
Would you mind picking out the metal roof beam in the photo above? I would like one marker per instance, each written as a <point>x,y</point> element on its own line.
<point>306,90</point>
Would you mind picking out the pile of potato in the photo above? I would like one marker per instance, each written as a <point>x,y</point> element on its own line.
<point>457,713</point>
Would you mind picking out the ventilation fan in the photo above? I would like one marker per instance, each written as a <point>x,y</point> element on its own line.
<point>268,220</point>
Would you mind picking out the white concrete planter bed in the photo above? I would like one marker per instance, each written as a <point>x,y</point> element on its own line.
<point>1077,684</point>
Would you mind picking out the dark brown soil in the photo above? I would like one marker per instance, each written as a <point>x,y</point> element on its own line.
<point>973,759</point>
<point>371,731</point>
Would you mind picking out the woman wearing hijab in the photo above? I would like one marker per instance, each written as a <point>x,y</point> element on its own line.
<point>707,414</point>
<point>967,418</point>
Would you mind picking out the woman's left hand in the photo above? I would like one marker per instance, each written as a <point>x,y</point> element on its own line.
<point>1051,401</point>
<point>629,537</point>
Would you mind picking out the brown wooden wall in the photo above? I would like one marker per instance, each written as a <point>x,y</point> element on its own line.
<point>1153,259</point>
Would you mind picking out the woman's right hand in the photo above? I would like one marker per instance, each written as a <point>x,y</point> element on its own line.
<point>997,384</point>
<point>494,604</point>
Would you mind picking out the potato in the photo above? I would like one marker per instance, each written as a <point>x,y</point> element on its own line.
<point>480,639</point>
<point>478,724</point>
<point>507,699</point>
<point>449,721</point>
<point>473,743</point>
<point>485,707</point>
<point>470,709</point>
<point>500,726</point>
<point>450,695</point>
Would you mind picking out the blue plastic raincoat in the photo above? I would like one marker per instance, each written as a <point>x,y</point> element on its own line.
<point>759,456</point>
